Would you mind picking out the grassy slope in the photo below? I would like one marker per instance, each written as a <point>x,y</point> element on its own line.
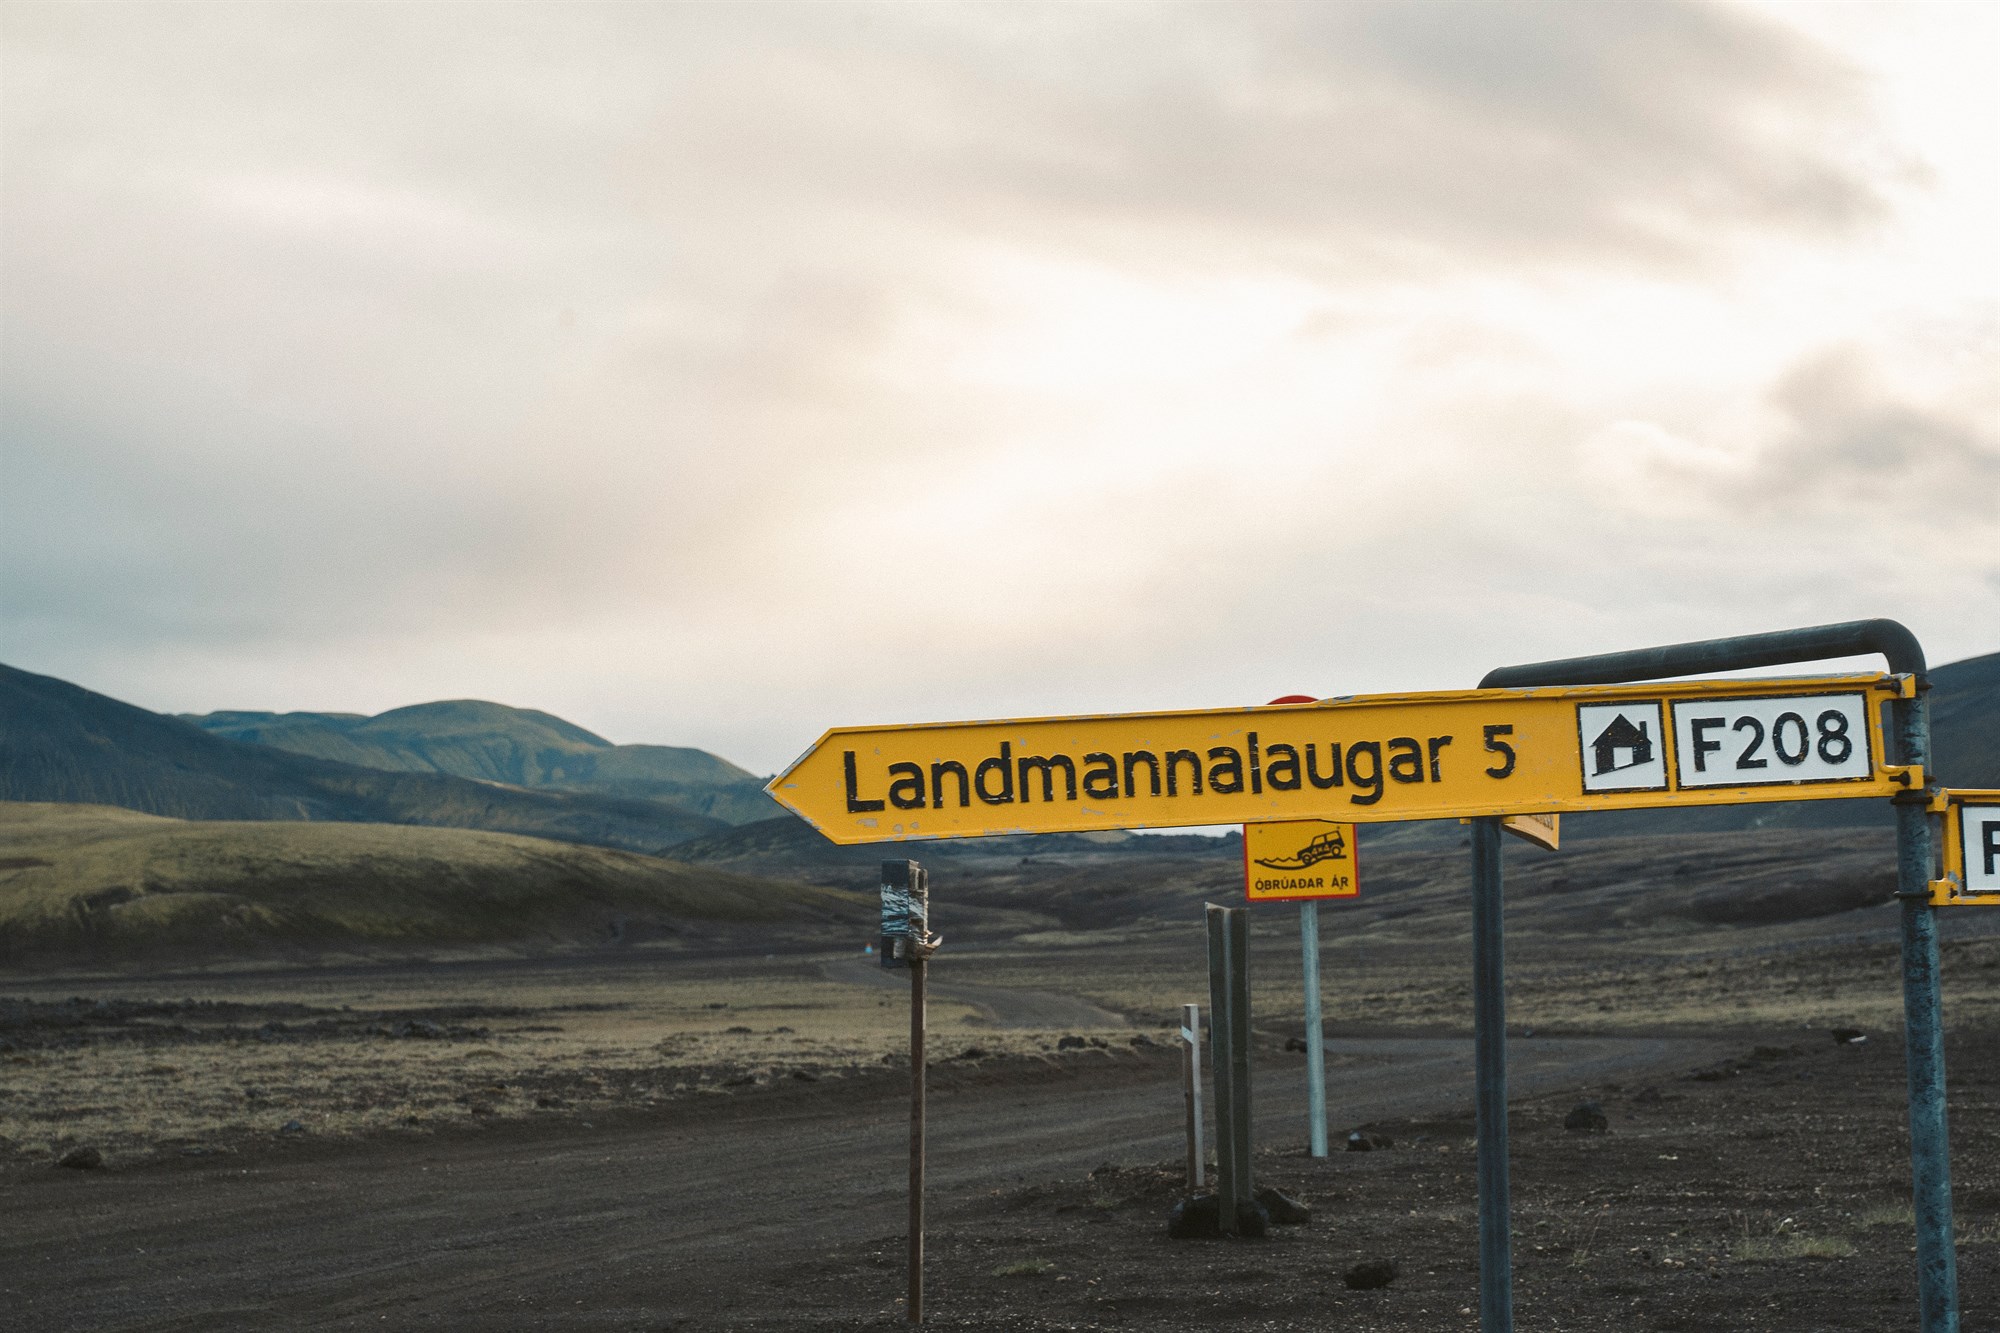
<point>112,882</point>
<point>60,742</point>
<point>470,738</point>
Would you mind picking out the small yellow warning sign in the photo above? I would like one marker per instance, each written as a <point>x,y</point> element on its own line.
<point>1294,860</point>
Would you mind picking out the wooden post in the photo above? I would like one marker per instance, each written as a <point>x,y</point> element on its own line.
<point>917,970</point>
<point>1197,1165</point>
<point>907,942</point>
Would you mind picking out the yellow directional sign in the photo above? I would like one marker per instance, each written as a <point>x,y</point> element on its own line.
<point>1300,859</point>
<point>1366,758</point>
<point>1971,849</point>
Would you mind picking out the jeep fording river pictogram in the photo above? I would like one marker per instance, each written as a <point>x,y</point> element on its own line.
<point>1326,847</point>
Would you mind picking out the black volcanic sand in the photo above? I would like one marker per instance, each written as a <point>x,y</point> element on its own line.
<point>1766,1192</point>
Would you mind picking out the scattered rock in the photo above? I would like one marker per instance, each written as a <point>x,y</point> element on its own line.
<point>1283,1209</point>
<point>1071,1043</point>
<point>292,1127</point>
<point>1587,1118</point>
<point>420,1029</point>
<point>81,1159</point>
<point>1370,1274</point>
<point>1197,1217</point>
<point>1849,1036</point>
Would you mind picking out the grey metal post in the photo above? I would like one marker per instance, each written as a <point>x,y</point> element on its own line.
<point>1315,1037</point>
<point>1923,1036</point>
<point>1229,1040</point>
<point>1489,1027</point>
<point>1923,1024</point>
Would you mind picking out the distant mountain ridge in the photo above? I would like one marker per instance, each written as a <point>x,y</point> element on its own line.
<point>490,742</point>
<point>62,743</point>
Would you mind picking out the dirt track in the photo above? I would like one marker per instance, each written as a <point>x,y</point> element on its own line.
<point>641,1223</point>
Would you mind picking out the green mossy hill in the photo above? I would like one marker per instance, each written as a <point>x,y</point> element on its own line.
<point>470,738</point>
<point>112,884</point>
<point>62,743</point>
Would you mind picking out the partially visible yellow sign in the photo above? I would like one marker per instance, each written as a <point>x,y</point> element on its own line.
<point>1971,849</point>
<point>1542,830</point>
<point>1299,859</point>
<point>1367,759</point>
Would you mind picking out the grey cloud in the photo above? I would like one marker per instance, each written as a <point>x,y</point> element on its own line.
<point>1851,442</point>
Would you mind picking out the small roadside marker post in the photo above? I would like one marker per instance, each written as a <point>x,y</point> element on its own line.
<point>907,942</point>
<point>1197,1160</point>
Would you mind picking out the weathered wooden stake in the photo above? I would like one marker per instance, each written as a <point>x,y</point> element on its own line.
<point>907,942</point>
<point>917,1140</point>
<point>1197,1164</point>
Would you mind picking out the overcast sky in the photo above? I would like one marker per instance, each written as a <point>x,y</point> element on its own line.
<point>714,374</point>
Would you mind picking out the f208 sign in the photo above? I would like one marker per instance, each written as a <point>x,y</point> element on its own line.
<point>1367,758</point>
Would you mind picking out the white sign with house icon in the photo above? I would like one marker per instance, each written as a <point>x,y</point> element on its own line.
<point>1623,746</point>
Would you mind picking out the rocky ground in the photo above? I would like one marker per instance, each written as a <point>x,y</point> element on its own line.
<point>1769,1191</point>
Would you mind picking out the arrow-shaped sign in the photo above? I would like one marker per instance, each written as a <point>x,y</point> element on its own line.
<point>1368,758</point>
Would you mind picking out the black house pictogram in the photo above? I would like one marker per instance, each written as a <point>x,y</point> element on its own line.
<point>1621,735</point>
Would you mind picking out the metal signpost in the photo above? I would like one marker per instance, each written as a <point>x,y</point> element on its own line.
<point>1763,729</point>
<point>1304,861</point>
<point>1551,737</point>
<point>907,942</point>
<point>1229,1040</point>
<point>1367,759</point>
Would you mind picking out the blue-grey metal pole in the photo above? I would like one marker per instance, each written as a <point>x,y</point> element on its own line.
<point>1315,1038</point>
<point>1489,1035</point>
<point>1923,1037</point>
<point>1923,1025</point>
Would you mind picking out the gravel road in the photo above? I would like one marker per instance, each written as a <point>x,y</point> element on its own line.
<point>636,1224</point>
